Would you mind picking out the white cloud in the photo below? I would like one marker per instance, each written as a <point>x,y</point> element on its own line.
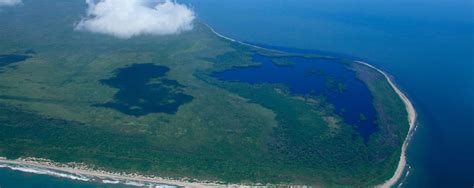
<point>9,2</point>
<point>128,18</point>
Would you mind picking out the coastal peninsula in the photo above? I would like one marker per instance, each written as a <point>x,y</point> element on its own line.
<point>192,109</point>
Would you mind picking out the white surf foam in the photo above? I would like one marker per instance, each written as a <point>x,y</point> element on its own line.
<point>110,181</point>
<point>134,183</point>
<point>165,186</point>
<point>45,172</point>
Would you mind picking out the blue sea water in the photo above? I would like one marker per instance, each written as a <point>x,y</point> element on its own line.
<point>427,45</point>
<point>31,177</point>
<point>18,179</point>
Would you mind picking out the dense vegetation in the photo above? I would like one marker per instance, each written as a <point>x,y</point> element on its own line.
<point>229,131</point>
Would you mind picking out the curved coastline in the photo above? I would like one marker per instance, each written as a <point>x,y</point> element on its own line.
<point>105,177</point>
<point>412,115</point>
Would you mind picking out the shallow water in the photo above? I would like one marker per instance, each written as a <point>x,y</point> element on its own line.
<point>28,177</point>
<point>18,179</point>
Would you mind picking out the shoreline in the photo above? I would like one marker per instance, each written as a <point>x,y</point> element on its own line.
<point>46,167</point>
<point>113,178</point>
<point>412,115</point>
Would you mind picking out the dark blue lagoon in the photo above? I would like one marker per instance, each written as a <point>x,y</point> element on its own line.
<point>426,45</point>
<point>11,58</point>
<point>317,77</point>
<point>138,95</point>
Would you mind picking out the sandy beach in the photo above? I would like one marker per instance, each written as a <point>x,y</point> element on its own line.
<point>104,176</point>
<point>95,175</point>
<point>408,105</point>
<point>411,120</point>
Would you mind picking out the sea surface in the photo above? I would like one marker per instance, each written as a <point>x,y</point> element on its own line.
<point>24,178</point>
<point>426,45</point>
<point>16,176</point>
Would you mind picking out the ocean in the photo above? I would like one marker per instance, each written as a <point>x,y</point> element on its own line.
<point>19,179</point>
<point>31,177</point>
<point>426,45</point>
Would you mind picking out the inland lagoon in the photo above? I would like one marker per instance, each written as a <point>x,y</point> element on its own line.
<point>427,46</point>
<point>93,97</point>
<point>323,78</point>
<point>6,60</point>
<point>138,97</point>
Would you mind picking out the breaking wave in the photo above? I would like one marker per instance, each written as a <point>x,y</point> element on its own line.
<point>78,177</point>
<point>40,171</point>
